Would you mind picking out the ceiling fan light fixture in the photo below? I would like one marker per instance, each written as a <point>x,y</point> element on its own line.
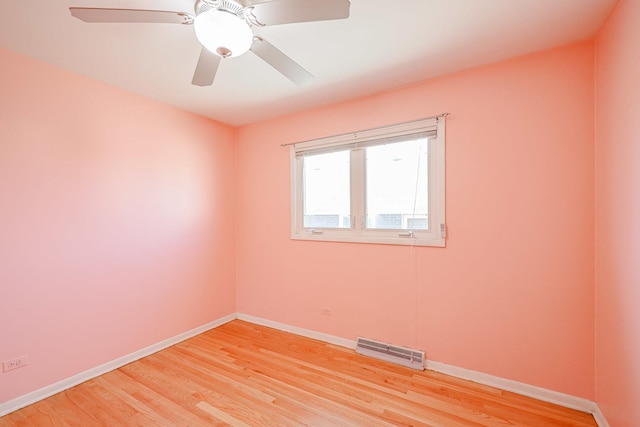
<point>223,33</point>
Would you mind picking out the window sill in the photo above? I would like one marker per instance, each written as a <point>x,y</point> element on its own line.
<point>381,240</point>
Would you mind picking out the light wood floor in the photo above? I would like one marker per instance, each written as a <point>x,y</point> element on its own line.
<point>242,374</point>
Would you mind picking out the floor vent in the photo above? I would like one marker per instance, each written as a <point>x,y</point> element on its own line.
<point>391,353</point>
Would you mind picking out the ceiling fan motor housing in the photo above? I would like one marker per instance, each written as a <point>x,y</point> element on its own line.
<point>230,6</point>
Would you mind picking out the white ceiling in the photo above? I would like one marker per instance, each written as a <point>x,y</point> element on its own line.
<point>383,44</point>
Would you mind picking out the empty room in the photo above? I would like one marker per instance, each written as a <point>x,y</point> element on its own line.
<point>320,212</point>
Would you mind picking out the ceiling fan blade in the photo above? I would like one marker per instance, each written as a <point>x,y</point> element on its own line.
<point>206,68</point>
<point>281,62</point>
<point>276,12</point>
<point>91,14</point>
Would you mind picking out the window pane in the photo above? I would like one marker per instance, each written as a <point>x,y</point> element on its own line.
<point>397,195</point>
<point>326,190</point>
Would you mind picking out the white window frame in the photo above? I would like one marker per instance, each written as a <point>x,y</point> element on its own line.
<point>358,233</point>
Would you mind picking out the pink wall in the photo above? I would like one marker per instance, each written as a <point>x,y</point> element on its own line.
<point>115,226</point>
<point>512,294</point>
<point>617,216</point>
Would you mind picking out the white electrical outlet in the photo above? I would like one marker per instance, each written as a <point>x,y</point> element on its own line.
<point>326,311</point>
<point>18,362</point>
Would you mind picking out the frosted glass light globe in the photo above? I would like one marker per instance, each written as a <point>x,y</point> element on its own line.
<point>223,33</point>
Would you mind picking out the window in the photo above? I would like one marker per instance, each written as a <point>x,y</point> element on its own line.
<point>382,185</point>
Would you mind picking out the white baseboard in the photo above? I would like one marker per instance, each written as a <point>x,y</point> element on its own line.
<point>331,339</point>
<point>50,390</point>
<point>539,393</point>
<point>562,399</point>
<point>599,417</point>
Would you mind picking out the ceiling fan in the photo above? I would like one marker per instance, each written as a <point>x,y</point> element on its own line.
<point>223,27</point>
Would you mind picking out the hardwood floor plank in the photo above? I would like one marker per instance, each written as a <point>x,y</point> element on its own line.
<point>221,415</point>
<point>241,374</point>
<point>144,413</point>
